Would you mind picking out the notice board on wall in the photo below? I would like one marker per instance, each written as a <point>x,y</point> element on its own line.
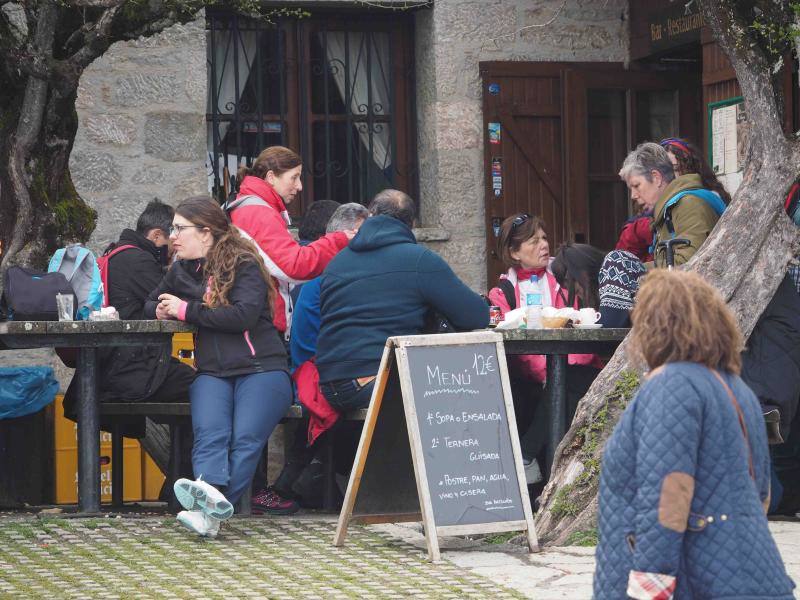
<point>439,442</point>
<point>728,131</point>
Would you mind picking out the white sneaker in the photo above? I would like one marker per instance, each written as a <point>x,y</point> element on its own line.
<point>199,495</point>
<point>199,522</point>
<point>533,474</point>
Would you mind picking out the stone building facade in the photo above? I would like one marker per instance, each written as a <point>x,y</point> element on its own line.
<point>142,109</point>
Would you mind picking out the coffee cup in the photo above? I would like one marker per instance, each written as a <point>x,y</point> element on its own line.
<point>588,316</point>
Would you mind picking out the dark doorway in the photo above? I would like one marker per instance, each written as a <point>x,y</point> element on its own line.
<point>564,130</point>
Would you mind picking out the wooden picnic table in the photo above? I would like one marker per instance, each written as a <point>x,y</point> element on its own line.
<point>556,344</point>
<point>89,337</point>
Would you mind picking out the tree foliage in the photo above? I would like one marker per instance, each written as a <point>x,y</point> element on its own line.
<point>45,45</point>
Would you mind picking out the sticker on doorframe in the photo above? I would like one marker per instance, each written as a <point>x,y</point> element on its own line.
<point>494,89</point>
<point>494,133</point>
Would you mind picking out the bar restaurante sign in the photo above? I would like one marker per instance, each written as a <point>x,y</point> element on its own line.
<point>658,26</point>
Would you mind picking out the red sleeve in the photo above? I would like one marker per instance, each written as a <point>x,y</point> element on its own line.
<point>289,259</point>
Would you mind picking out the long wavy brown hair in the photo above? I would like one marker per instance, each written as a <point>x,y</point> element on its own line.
<point>678,317</point>
<point>229,250</point>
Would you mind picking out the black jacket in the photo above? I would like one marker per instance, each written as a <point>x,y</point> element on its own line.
<point>235,339</point>
<point>133,372</point>
<point>771,362</point>
<point>385,284</point>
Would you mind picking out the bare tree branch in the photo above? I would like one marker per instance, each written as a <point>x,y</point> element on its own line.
<point>97,40</point>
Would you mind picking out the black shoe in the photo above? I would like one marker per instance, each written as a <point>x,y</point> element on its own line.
<point>309,486</point>
<point>289,475</point>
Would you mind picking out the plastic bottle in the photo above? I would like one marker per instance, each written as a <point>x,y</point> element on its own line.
<point>533,304</point>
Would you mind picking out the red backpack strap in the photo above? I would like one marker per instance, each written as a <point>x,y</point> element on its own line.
<point>102,265</point>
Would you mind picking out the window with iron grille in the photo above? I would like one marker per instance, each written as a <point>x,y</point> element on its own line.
<point>337,90</point>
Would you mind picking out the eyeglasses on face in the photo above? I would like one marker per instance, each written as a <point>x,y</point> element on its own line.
<point>177,229</point>
<point>520,220</point>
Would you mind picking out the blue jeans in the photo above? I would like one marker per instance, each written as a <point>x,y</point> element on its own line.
<point>232,418</point>
<point>345,395</point>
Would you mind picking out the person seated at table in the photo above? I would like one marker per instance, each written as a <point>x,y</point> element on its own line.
<point>242,391</point>
<point>524,248</point>
<point>576,268</point>
<point>685,483</point>
<point>302,475</point>
<point>682,207</point>
<point>312,227</point>
<point>138,373</point>
<point>383,284</point>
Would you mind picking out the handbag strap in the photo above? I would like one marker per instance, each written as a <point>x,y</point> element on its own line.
<point>742,425</point>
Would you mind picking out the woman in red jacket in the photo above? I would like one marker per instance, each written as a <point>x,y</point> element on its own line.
<point>259,211</point>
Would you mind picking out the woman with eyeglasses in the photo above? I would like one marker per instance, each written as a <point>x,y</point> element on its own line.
<point>524,248</point>
<point>242,389</point>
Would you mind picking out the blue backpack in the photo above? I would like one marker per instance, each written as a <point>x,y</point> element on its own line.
<point>711,198</point>
<point>80,268</point>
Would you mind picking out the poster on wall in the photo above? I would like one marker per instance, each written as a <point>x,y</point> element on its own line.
<point>494,133</point>
<point>729,137</point>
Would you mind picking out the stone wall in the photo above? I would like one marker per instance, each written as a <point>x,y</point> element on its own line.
<point>451,40</point>
<point>142,132</point>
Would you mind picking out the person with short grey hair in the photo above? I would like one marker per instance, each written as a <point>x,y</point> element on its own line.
<point>645,159</point>
<point>347,216</point>
<point>680,206</point>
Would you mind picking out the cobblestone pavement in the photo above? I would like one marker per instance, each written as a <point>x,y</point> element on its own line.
<point>287,557</point>
<point>563,573</point>
<point>153,557</point>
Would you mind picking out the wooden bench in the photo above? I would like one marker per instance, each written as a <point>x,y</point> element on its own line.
<point>178,415</point>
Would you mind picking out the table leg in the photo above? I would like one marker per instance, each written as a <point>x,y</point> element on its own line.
<point>557,399</point>
<point>88,433</point>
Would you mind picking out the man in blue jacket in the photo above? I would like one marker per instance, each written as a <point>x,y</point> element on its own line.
<point>383,284</point>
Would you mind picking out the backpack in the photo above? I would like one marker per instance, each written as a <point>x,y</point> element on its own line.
<point>711,198</point>
<point>30,295</point>
<point>79,266</point>
<point>102,265</point>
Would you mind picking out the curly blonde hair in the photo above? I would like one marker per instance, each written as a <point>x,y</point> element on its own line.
<point>678,317</point>
<point>229,251</point>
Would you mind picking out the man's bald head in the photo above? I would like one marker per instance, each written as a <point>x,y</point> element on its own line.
<point>394,203</point>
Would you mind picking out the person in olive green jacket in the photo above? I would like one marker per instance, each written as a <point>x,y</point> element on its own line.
<point>648,173</point>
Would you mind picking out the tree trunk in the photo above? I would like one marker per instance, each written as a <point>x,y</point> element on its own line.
<point>745,258</point>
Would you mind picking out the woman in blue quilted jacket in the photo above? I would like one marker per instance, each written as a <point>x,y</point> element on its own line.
<point>685,479</point>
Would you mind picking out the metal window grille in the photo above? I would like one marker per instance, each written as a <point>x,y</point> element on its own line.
<point>327,92</point>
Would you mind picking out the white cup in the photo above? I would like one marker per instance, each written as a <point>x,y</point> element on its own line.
<point>588,316</point>
<point>65,305</point>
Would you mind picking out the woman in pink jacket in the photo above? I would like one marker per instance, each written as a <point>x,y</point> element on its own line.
<point>524,248</point>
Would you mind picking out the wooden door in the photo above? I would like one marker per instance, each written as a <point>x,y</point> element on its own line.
<point>564,130</point>
<point>523,133</point>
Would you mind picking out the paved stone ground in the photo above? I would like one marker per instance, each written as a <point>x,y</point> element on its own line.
<point>153,557</point>
<point>288,557</point>
<point>563,573</point>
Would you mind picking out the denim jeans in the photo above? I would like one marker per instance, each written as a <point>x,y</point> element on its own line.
<point>347,394</point>
<point>232,418</point>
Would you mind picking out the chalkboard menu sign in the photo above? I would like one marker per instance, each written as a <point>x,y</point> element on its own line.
<point>439,442</point>
<point>465,434</point>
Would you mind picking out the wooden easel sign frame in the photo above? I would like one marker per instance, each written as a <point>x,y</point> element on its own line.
<point>439,442</point>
